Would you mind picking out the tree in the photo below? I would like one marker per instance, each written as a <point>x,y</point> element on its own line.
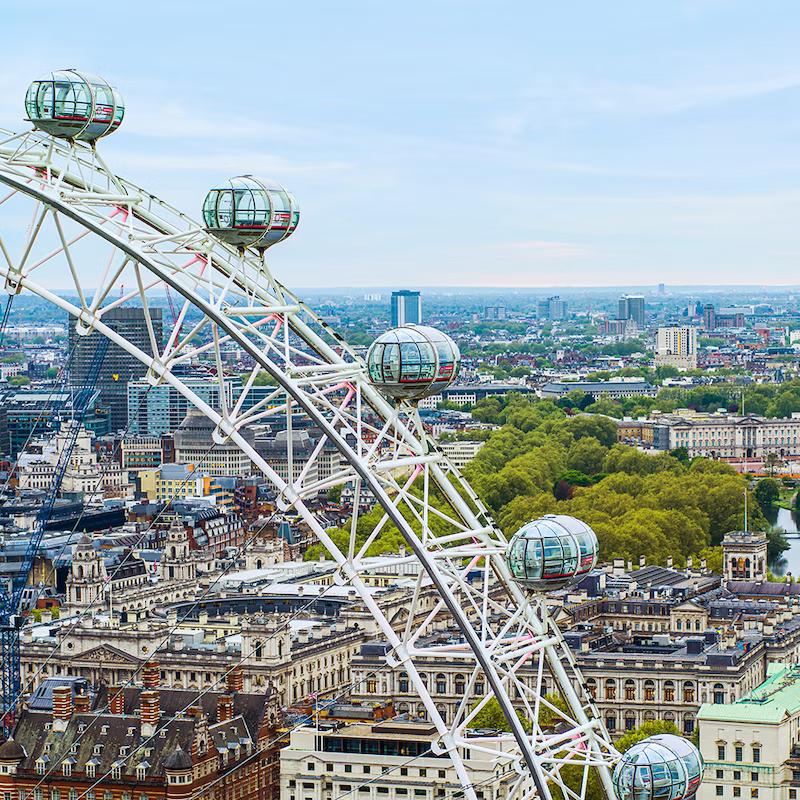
<point>644,731</point>
<point>491,717</point>
<point>767,492</point>
<point>776,542</point>
<point>19,380</point>
<point>587,455</point>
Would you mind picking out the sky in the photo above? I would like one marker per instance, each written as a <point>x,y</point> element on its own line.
<point>444,143</point>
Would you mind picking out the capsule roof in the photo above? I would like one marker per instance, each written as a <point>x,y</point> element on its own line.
<point>74,105</point>
<point>251,212</point>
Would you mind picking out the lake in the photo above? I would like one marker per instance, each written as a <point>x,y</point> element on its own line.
<point>790,559</point>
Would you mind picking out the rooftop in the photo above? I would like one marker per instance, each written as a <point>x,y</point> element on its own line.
<point>772,701</point>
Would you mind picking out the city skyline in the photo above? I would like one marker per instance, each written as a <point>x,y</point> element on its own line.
<point>604,145</point>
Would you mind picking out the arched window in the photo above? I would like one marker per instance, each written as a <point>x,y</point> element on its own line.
<point>719,694</point>
<point>649,691</point>
<point>669,691</point>
<point>403,682</point>
<point>591,685</point>
<point>630,689</point>
<point>688,692</point>
<point>611,689</point>
<point>441,683</point>
<point>460,684</point>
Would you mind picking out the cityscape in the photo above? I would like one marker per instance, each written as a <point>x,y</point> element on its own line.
<point>494,511</point>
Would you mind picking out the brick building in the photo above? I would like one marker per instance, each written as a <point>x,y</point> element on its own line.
<point>145,743</point>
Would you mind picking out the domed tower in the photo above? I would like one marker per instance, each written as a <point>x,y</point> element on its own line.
<point>87,576</point>
<point>551,552</point>
<point>11,756</point>
<point>664,766</point>
<point>177,562</point>
<point>74,105</point>
<point>178,772</point>
<point>250,212</point>
<point>413,362</point>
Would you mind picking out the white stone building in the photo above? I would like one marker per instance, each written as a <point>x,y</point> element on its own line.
<point>676,346</point>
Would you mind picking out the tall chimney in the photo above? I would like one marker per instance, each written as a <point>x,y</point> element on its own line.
<point>149,701</point>
<point>234,680</point>
<point>81,703</point>
<point>224,708</point>
<point>116,700</point>
<point>151,675</point>
<point>62,707</point>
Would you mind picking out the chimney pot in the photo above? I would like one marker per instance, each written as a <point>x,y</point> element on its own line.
<point>81,704</point>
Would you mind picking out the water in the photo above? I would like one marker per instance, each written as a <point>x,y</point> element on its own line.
<point>789,561</point>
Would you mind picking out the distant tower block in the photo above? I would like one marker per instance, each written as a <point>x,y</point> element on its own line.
<point>551,552</point>
<point>744,555</point>
<point>74,105</point>
<point>251,213</point>
<point>413,362</point>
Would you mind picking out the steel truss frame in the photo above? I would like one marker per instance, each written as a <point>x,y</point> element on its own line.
<point>231,300</point>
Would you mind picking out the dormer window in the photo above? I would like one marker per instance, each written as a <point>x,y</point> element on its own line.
<point>81,727</point>
<point>103,730</point>
<point>131,732</point>
<point>124,750</point>
<point>97,750</point>
<point>47,746</point>
<point>90,770</point>
<point>116,772</point>
<point>66,769</point>
<point>141,772</point>
<point>41,765</point>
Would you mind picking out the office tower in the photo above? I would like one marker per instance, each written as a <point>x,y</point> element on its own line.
<point>709,317</point>
<point>676,346</point>
<point>662,289</point>
<point>494,313</point>
<point>631,306</point>
<point>406,308</point>
<point>118,367</point>
<point>156,410</point>
<point>553,308</point>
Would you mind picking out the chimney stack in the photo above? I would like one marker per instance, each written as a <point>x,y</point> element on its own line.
<point>151,675</point>
<point>234,680</point>
<point>224,708</point>
<point>62,707</point>
<point>116,700</point>
<point>81,703</point>
<point>149,701</point>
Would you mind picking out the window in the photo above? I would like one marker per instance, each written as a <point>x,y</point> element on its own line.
<point>348,767</point>
<point>630,690</point>
<point>688,693</point>
<point>441,684</point>
<point>720,774</point>
<point>90,770</point>
<point>611,690</point>
<point>753,777</point>
<point>756,755</point>
<point>66,769</point>
<point>737,775</point>
<point>310,766</point>
<point>442,773</point>
<point>739,752</point>
<point>669,692</point>
<point>329,767</point>
<point>404,682</point>
<point>372,687</point>
<point>367,770</point>
<point>649,691</point>
<point>423,773</point>
<point>720,752</point>
<point>718,791</point>
<point>719,694</point>
<point>737,791</point>
<point>116,772</point>
<point>754,792</point>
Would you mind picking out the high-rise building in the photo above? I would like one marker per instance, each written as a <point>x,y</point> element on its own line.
<point>676,346</point>
<point>709,317</point>
<point>406,308</point>
<point>553,308</point>
<point>631,306</point>
<point>118,366</point>
<point>156,410</point>
<point>494,313</point>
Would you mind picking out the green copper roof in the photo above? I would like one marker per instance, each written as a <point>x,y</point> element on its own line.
<point>770,702</point>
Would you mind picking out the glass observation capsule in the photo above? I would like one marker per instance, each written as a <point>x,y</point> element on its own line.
<point>663,767</point>
<point>74,105</point>
<point>551,552</point>
<point>251,213</point>
<point>413,362</point>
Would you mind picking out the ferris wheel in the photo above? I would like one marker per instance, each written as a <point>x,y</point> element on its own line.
<point>62,206</point>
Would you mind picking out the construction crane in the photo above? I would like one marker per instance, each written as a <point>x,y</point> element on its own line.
<point>10,595</point>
